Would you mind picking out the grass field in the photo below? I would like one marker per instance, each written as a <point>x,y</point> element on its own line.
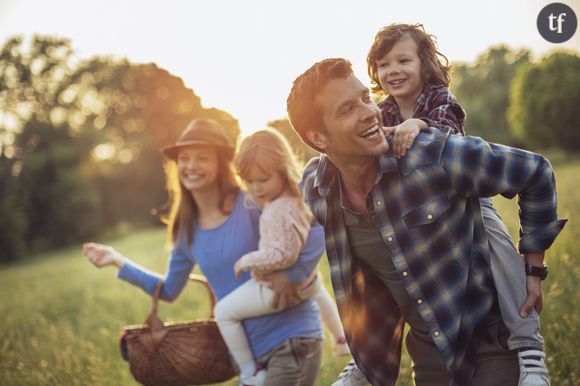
<point>60,317</point>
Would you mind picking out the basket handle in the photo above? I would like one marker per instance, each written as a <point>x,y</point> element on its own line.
<point>201,279</point>
<point>194,278</point>
<point>157,329</point>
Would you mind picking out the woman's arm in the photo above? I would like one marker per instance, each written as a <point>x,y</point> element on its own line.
<point>177,273</point>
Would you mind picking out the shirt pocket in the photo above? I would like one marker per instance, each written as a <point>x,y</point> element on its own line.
<point>429,212</point>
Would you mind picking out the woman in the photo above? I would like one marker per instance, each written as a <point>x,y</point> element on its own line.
<point>211,226</point>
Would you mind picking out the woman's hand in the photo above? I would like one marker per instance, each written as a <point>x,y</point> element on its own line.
<point>286,293</point>
<point>238,268</point>
<point>103,255</point>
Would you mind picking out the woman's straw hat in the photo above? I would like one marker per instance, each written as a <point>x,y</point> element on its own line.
<point>200,132</point>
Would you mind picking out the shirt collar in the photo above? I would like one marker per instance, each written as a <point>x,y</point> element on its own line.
<point>327,173</point>
<point>387,163</point>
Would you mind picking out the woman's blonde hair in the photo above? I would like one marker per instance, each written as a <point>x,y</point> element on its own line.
<point>270,152</point>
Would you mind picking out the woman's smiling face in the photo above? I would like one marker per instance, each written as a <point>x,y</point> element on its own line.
<point>198,167</point>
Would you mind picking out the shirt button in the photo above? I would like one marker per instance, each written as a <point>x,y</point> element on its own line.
<point>429,217</point>
<point>420,301</point>
<point>389,239</point>
<point>379,203</point>
<point>405,274</point>
<point>436,333</point>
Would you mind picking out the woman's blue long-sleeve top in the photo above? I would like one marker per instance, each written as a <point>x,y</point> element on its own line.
<point>216,250</point>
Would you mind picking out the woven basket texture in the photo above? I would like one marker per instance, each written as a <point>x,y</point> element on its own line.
<point>177,354</point>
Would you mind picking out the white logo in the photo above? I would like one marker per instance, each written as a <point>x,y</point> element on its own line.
<point>557,22</point>
<point>560,20</point>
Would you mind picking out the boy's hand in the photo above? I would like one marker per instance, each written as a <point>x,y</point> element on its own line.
<point>389,130</point>
<point>404,136</point>
<point>103,255</point>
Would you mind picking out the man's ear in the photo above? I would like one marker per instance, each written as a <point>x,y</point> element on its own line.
<point>317,138</point>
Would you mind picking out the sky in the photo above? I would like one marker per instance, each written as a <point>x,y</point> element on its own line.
<point>241,56</point>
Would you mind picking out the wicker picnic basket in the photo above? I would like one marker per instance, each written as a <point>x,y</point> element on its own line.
<point>176,354</point>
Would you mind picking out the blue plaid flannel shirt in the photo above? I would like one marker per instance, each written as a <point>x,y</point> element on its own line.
<point>427,207</point>
<point>436,105</point>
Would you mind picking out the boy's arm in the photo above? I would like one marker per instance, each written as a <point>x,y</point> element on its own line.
<point>444,112</point>
<point>404,135</point>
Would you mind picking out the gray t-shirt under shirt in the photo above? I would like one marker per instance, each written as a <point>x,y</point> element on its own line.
<point>367,245</point>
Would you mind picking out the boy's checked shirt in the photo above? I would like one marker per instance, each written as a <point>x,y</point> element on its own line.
<point>436,106</point>
<point>426,207</point>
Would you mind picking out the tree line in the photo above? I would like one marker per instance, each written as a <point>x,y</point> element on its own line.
<point>80,139</point>
<point>79,143</point>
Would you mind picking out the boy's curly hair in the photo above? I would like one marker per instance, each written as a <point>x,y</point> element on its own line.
<point>434,65</point>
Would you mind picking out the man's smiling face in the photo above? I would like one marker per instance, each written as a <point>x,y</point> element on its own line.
<point>351,121</point>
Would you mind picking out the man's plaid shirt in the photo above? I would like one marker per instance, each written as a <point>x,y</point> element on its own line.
<point>427,208</point>
<point>436,106</point>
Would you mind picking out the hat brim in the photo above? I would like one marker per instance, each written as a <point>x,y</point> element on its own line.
<point>172,150</point>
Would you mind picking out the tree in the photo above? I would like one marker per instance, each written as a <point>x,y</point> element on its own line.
<point>482,89</point>
<point>544,102</point>
<point>144,108</point>
<point>79,142</point>
<point>304,152</point>
<point>41,189</point>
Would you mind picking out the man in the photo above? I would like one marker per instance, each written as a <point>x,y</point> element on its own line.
<point>405,238</point>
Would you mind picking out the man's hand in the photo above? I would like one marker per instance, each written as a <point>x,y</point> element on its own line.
<point>534,299</point>
<point>286,293</point>
<point>533,284</point>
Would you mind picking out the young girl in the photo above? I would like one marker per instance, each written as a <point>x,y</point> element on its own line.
<point>267,165</point>
<point>211,226</point>
<point>404,64</point>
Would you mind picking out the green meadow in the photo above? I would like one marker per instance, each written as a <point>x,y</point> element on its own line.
<point>60,317</point>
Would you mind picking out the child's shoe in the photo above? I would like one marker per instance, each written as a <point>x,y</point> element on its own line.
<point>351,376</point>
<point>341,347</point>
<point>533,370</point>
<point>257,379</point>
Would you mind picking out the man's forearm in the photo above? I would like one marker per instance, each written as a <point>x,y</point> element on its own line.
<point>481,169</point>
<point>535,258</point>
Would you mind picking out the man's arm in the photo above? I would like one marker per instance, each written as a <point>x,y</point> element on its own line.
<point>478,168</point>
<point>481,169</point>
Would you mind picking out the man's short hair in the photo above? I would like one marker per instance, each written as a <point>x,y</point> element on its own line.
<point>303,111</point>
